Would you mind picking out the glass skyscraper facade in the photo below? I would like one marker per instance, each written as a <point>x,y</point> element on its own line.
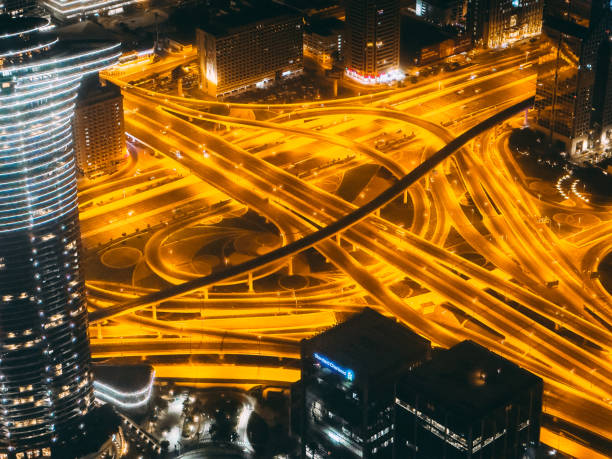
<point>45,371</point>
<point>573,78</point>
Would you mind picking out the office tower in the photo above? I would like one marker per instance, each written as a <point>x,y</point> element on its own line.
<point>45,373</point>
<point>467,402</point>
<point>573,78</point>
<point>373,40</point>
<point>495,23</point>
<point>99,136</point>
<point>245,49</point>
<point>606,111</point>
<point>348,375</point>
<point>442,12</point>
<point>71,10</point>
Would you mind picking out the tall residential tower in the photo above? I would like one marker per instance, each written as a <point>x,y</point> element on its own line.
<point>373,40</point>
<point>573,93</point>
<point>45,368</point>
<point>497,23</point>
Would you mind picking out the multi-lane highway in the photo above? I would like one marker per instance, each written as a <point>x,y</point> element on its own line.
<point>478,259</point>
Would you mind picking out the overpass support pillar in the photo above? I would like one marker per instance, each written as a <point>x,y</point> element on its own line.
<point>405,196</point>
<point>290,267</point>
<point>205,293</point>
<point>154,311</point>
<point>339,238</point>
<point>250,281</point>
<point>99,326</point>
<point>377,212</point>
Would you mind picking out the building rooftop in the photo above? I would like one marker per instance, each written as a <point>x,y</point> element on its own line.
<point>227,24</point>
<point>468,380</point>
<point>325,26</point>
<point>369,343</point>
<point>442,4</point>
<point>92,91</point>
<point>416,33</point>
<point>310,5</point>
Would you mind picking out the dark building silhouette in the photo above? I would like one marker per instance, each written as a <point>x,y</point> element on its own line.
<point>348,375</point>
<point>467,402</point>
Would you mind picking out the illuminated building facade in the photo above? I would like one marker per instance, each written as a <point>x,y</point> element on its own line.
<point>497,23</point>
<point>348,375</point>
<point>99,135</point>
<point>45,371</point>
<point>573,103</point>
<point>74,10</point>
<point>373,40</point>
<point>467,402</point>
<point>442,12</point>
<point>323,41</point>
<point>249,48</point>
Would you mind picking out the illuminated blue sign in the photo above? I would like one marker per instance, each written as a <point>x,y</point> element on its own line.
<point>516,3</point>
<point>348,374</point>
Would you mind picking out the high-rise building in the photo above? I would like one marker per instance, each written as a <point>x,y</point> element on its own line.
<point>373,40</point>
<point>497,23</point>
<point>467,402</point>
<point>45,369</point>
<point>241,50</point>
<point>606,111</point>
<point>573,89</point>
<point>348,376</point>
<point>75,10</point>
<point>442,12</point>
<point>99,135</point>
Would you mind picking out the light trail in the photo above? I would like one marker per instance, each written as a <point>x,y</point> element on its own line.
<point>516,246</point>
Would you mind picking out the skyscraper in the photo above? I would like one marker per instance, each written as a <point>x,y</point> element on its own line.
<point>99,134</point>
<point>249,48</point>
<point>348,376</point>
<point>45,369</point>
<point>573,78</point>
<point>467,402</point>
<point>495,23</point>
<point>373,40</point>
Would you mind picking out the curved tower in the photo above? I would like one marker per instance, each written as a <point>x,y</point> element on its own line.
<point>45,370</point>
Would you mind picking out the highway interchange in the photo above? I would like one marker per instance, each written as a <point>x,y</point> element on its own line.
<point>464,252</point>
